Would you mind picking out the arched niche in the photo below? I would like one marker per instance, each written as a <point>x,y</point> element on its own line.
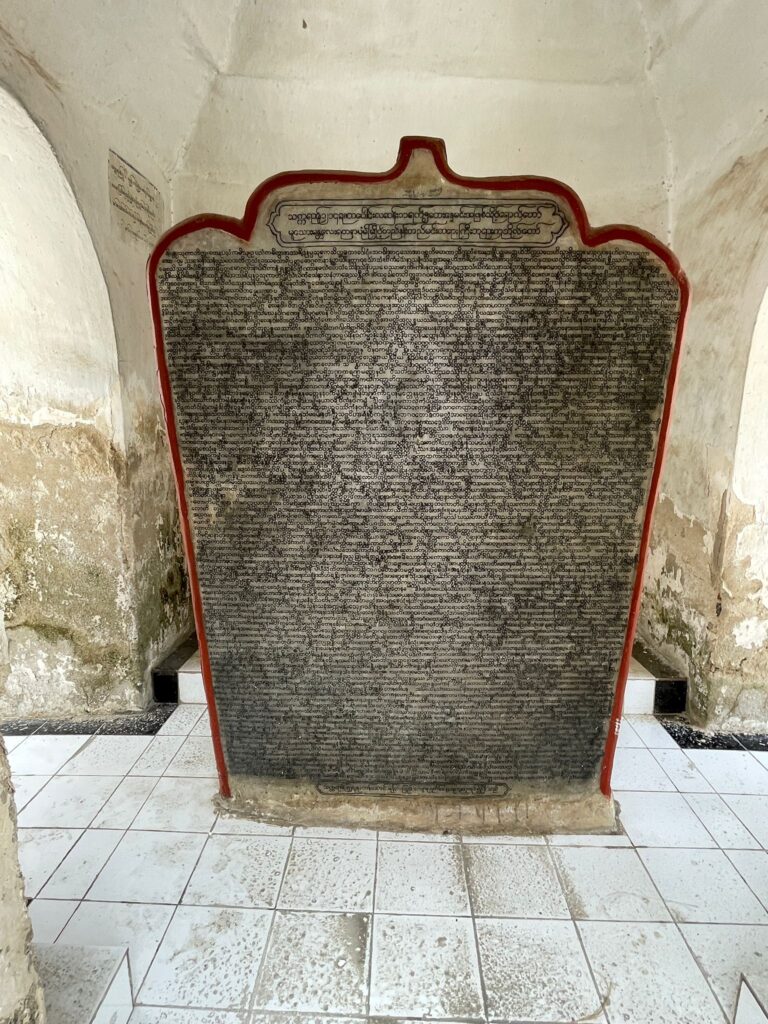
<point>66,623</point>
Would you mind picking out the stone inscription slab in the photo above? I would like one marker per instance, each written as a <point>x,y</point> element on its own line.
<point>417,222</point>
<point>416,464</point>
<point>137,206</point>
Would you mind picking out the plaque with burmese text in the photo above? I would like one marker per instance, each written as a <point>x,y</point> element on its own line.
<point>415,419</point>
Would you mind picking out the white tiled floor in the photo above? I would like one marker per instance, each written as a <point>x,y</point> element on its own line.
<point>238,922</point>
<point>323,874</point>
<point>524,966</point>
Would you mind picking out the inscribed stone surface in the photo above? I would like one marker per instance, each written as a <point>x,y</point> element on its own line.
<point>417,423</point>
<point>137,206</point>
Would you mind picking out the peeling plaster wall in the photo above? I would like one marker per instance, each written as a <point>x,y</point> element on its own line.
<point>208,99</point>
<point>703,605</point>
<point>653,111</point>
<point>79,76</point>
<point>66,625</point>
<point>21,995</point>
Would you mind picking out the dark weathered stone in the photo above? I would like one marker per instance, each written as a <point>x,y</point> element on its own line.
<point>416,472</point>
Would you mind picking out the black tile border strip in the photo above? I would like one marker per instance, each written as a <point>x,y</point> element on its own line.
<point>690,738</point>
<point>752,741</point>
<point>19,726</point>
<point>140,723</point>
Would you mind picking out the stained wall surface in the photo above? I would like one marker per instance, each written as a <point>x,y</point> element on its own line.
<point>66,618</point>
<point>92,584</point>
<point>652,111</point>
<point>206,101</point>
<point>706,593</point>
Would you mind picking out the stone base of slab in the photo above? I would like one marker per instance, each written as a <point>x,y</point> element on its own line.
<point>522,811</point>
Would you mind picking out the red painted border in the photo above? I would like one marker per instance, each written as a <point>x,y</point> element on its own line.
<point>243,228</point>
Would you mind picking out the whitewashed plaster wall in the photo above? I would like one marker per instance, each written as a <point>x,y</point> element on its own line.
<point>207,99</point>
<point>750,487</point>
<point>86,72</point>
<point>513,87</point>
<point>653,111</point>
<point>706,593</point>
<point>65,593</point>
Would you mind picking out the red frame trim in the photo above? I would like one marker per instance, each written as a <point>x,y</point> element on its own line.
<point>243,228</point>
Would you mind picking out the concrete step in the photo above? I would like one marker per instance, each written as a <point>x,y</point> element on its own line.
<point>85,984</point>
<point>640,692</point>
<point>191,689</point>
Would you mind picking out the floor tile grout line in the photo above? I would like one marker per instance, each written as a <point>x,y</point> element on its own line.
<point>757,760</point>
<point>369,965</point>
<point>172,917</point>
<point>470,902</point>
<point>140,984</point>
<point>763,902</point>
<point>704,824</point>
<point>207,839</point>
<point>58,770</point>
<point>663,772</point>
<point>265,951</point>
<point>331,1014</point>
<point>655,751</point>
<point>20,809</point>
<point>69,849</point>
<point>382,914</point>
<point>601,1000</point>
<point>140,775</point>
<point>754,754</point>
<point>559,846</point>
<point>719,792</point>
<point>705,975</point>
<point>143,752</point>
<point>212,774</point>
<point>675,923</point>
<point>86,832</point>
<point>746,827</point>
<point>109,858</point>
<point>144,801</point>
<point>58,774</point>
<point>80,750</point>
<point>69,918</point>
